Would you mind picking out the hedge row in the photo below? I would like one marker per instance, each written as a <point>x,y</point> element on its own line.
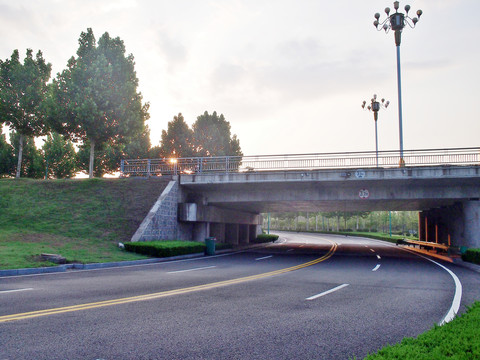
<point>457,339</point>
<point>165,248</point>
<point>472,255</point>
<point>264,238</point>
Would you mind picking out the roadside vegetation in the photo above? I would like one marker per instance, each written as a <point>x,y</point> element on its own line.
<point>165,248</point>
<point>265,238</point>
<point>458,339</point>
<point>472,255</point>
<point>82,220</point>
<point>404,223</point>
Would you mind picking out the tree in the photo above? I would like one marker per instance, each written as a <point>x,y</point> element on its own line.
<point>138,147</point>
<point>60,157</point>
<point>7,160</point>
<point>107,158</point>
<point>177,140</point>
<point>22,92</point>
<point>212,136</point>
<point>32,164</point>
<point>95,100</point>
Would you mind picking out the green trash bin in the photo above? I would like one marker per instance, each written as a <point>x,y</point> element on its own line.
<point>210,246</point>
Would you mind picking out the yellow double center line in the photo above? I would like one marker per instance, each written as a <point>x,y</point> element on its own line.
<point>99,304</point>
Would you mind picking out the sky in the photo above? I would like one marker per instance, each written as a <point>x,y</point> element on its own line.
<point>289,75</point>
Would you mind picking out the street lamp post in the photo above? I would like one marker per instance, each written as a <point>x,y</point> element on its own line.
<point>375,106</point>
<point>397,22</point>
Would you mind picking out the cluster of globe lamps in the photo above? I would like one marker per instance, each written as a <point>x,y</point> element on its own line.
<point>396,22</point>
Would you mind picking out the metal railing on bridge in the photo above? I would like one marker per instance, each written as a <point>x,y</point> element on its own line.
<point>341,160</point>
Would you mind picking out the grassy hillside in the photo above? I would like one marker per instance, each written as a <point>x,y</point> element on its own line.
<point>82,220</point>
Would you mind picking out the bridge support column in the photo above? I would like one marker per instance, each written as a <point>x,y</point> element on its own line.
<point>243,234</point>
<point>457,225</point>
<point>421,226</point>
<point>217,230</point>
<point>472,223</point>
<point>253,231</point>
<point>201,230</point>
<point>231,234</point>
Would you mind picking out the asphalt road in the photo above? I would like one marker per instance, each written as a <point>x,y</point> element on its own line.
<point>307,297</point>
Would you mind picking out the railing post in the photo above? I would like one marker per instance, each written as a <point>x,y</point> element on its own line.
<point>226,165</point>
<point>148,167</point>
<point>122,167</point>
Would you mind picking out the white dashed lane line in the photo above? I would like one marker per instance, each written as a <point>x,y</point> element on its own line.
<point>194,269</point>
<point>15,290</point>
<point>326,292</point>
<point>376,267</point>
<point>263,258</point>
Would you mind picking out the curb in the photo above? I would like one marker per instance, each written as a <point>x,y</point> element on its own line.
<point>117,264</point>
<point>467,265</point>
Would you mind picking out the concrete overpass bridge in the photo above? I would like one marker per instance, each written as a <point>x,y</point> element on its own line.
<point>224,196</point>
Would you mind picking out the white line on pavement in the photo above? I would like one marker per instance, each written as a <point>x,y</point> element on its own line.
<point>453,311</point>
<point>376,267</point>
<point>263,258</point>
<point>16,290</point>
<point>326,292</point>
<point>378,257</point>
<point>372,250</point>
<point>195,269</point>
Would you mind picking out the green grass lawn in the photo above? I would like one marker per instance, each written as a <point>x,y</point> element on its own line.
<point>82,220</point>
<point>459,339</point>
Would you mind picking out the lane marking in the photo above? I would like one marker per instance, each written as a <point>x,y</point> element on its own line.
<point>99,304</point>
<point>167,262</point>
<point>378,257</point>
<point>188,270</point>
<point>453,311</point>
<point>372,250</point>
<point>263,258</point>
<point>326,292</point>
<point>376,267</point>
<point>457,298</point>
<point>16,290</point>
<point>289,250</point>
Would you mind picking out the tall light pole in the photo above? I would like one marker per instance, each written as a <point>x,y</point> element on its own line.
<point>375,106</point>
<point>397,22</point>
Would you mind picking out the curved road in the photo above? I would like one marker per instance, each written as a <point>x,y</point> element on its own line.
<point>305,297</point>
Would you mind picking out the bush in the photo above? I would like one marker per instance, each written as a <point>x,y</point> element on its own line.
<point>264,238</point>
<point>472,255</point>
<point>165,248</point>
<point>457,339</point>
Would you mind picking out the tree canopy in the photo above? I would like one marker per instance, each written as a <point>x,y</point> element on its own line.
<point>60,157</point>
<point>210,135</point>
<point>177,140</point>
<point>7,160</point>
<point>95,100</point>
<point>22,92</point>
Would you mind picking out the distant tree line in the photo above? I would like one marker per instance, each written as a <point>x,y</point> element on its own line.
<point>401,222</point>
<point>90,116</point>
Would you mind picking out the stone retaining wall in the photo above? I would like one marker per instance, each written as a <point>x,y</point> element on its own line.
<point>161,222</point>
